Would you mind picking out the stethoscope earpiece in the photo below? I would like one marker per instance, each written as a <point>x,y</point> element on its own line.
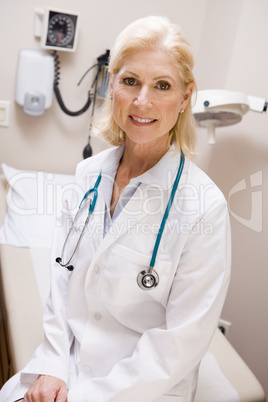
<point>69,267</point>
<point>147,280</point>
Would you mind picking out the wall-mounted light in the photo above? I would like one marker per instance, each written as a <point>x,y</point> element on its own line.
<point>219,108</point>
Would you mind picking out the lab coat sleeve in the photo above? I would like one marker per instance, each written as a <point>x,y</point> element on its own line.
<point>52,356</point>
<point>164,357</point>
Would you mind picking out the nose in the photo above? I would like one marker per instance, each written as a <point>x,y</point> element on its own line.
<point>143,98</point>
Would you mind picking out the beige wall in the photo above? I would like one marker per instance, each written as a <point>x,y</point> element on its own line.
<point>229,39</point>
<point>55,141</point>
<point>240,63</point>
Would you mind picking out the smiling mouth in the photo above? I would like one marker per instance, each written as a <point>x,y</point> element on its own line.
<point>142,120</point>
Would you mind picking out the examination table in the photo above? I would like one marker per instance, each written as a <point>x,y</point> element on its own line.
<point>24,281</point>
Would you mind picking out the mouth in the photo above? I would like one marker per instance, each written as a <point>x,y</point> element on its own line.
<point>142,120</point>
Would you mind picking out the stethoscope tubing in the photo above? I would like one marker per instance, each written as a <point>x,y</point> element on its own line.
<point>59,259</point>
<point>149,279</point>
<point>146,279</point>
<point>95,190</point>
<point>90,211</point>
<point>166,214</point>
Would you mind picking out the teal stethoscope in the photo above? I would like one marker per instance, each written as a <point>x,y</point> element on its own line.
<point>147,279</point>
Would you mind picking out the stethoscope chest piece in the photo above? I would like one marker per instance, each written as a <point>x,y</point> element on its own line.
<point>147,280</point>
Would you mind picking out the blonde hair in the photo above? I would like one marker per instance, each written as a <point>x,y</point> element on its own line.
<point>150,33</point>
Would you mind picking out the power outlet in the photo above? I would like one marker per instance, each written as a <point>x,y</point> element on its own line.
<point>4,113</point>
<point>224,326</point>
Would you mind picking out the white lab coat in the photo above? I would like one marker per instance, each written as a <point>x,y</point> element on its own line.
<point>130,345</point>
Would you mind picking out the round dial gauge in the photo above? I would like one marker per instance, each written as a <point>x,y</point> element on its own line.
<point>61,30</point>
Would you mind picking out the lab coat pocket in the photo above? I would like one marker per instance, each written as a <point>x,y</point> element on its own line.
<point>122,295</point>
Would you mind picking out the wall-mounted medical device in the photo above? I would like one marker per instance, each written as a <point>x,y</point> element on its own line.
<point>35,76</point>
<point>57,29</point>
<point>219,108</point>
<point>38,73</point>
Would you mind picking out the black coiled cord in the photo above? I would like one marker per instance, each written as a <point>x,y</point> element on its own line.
<point>57,90</point>
<point>56,68</point>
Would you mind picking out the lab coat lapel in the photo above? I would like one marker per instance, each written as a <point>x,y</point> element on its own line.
<point>97,221</point>
<point>136,209</point>
<point>133,212</point>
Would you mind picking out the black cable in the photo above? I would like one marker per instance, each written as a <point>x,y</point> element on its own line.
<point>58,94</point>
<point>64,108</point>
<point>87,151</point>
<point>102,61</point>
<point>90,68</point>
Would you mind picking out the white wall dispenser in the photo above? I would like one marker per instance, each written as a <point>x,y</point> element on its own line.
<point>35,76</point>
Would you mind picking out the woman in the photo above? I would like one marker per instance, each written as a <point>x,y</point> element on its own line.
<point>111,332</point>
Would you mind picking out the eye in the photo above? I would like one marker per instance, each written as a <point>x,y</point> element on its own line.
<point>130,81</point>
<point>163,85</point>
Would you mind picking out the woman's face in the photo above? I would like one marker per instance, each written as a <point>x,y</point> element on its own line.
<point>147,96</point>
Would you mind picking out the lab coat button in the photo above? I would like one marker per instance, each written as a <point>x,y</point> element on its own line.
<point>97,316</point>
<point>86,369</point>
<point>76,229</point>
<point>96,269</point>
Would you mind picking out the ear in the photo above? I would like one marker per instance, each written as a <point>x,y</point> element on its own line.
<point>187,95</point>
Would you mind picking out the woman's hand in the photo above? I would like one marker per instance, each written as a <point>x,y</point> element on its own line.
<point>47,389</point>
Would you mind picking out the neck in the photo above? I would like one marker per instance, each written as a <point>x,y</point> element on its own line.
<point>138,158</point>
